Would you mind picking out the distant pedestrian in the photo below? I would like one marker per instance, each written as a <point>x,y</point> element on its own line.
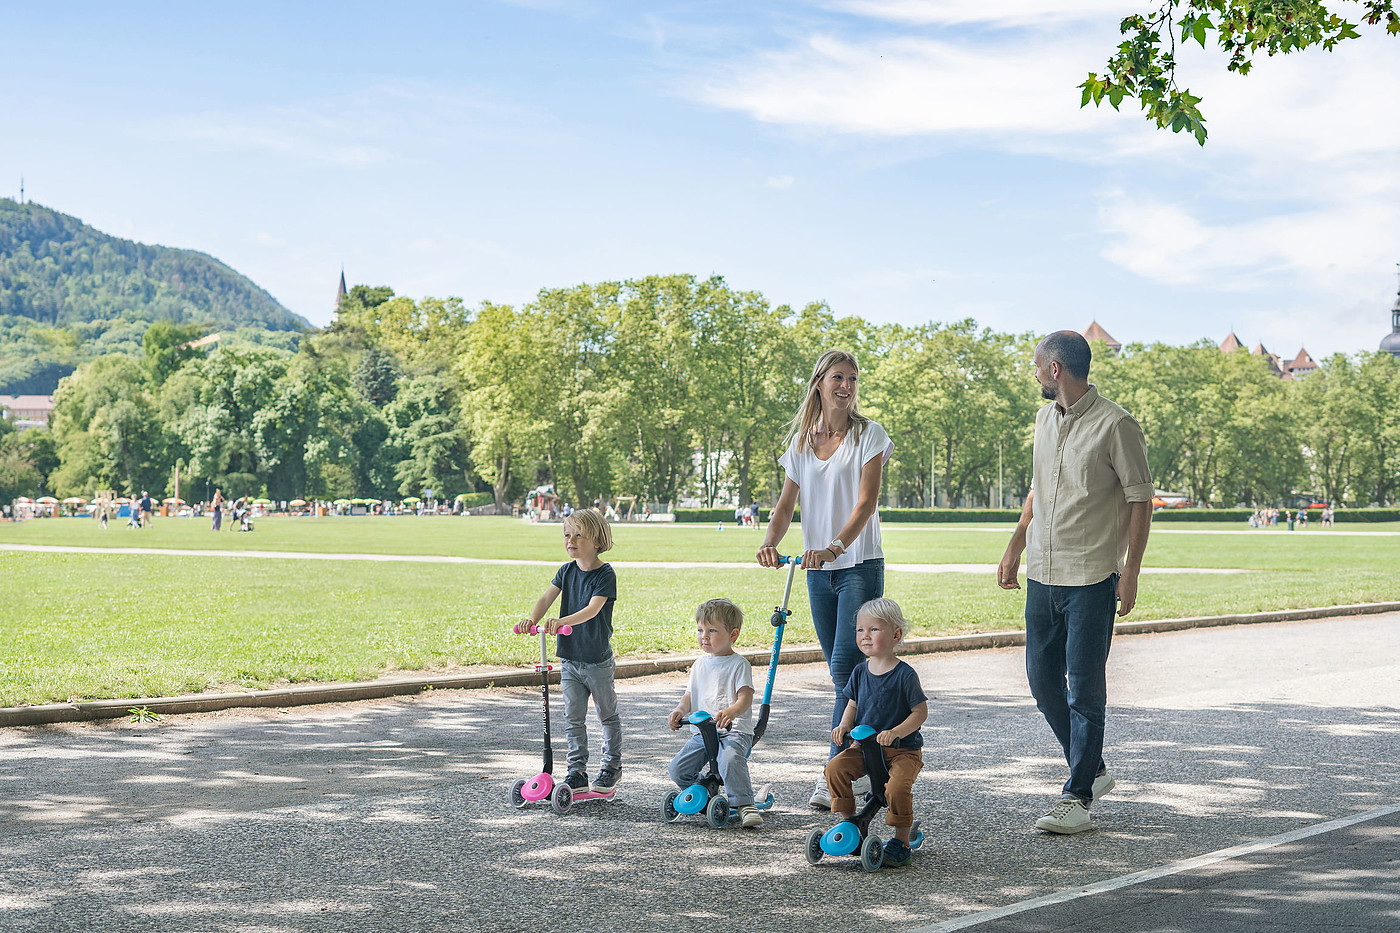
<point>1084,529</point>
<point>145,508</point>
<point>218,509</point>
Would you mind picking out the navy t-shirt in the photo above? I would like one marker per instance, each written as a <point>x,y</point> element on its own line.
<point>591,641</point>
<point>883,701</point>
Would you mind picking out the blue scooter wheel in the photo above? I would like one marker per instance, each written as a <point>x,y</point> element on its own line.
<point>517,799</point>
<point>669,813</point>
<point>717,811</point>
<point>814,846</point>
<point>872,853</point>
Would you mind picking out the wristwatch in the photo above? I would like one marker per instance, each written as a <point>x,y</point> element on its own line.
<point>837,543</point>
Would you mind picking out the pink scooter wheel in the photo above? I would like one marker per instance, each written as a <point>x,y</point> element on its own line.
<point>538,787</point>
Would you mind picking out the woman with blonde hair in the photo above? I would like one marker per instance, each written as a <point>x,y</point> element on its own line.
<point>834,462</point>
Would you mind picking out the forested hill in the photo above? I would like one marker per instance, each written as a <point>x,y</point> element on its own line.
<point>56,269</point>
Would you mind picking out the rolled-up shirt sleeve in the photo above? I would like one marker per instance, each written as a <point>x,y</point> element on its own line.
<point>1127,451</point>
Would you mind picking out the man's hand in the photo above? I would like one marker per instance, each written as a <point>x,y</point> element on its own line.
<point>1007,570</point>
<point>768,556</point>
<point>1127,591</point>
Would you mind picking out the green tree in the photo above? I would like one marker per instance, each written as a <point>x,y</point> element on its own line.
<point>105,430</point>
<point>1144,66</point>
<point>167,348</point>
<point>428,433</point>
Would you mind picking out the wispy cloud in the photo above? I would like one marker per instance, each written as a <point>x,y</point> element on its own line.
<point>781,181</point>
<point>1002,13</point>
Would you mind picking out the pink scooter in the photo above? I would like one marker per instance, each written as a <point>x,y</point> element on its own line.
<point>542,786</point>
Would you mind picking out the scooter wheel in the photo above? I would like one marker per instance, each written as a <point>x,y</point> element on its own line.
<point>562,798</point>
<point>872,853</point>
<point>669,813</point>
<point>814,846</point>
<point>717,811</point>
<point>517,799</point>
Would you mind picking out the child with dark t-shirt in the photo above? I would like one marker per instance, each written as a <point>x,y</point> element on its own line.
<point>589,589</point>
<point>883,693</point>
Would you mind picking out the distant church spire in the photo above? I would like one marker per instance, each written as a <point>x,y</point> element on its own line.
<point>341,293</point>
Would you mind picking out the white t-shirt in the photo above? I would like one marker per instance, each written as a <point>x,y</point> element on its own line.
<point>828,491</point>
<point>715,681</point>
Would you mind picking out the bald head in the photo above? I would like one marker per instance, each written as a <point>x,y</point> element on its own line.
<point>1067,348</point>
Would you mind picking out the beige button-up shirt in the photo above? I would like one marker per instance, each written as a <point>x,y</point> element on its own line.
<point>1089,463</point>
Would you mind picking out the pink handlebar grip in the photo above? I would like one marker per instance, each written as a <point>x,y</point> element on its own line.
<point>520,629</point>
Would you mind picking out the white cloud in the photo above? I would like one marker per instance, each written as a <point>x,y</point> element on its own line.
<point>915,87</point>
<point>781,181</point>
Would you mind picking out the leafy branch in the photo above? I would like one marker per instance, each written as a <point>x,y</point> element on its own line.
<point>1144,66</point>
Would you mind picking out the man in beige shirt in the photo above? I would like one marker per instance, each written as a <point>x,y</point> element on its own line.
<point>1084,529</point>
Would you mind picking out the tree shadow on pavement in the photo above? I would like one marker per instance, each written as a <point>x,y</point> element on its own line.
<point>394,815</point>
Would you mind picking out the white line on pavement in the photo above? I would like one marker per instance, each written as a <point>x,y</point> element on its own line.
<point>448,559</point>
<point>1152,874</point>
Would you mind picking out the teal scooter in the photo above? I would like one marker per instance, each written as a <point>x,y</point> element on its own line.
<point>853,836</point>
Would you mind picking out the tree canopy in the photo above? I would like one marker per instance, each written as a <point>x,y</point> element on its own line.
<point>1144,65</point>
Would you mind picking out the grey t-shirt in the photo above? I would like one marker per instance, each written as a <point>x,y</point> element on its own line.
<point>591,641</point>
<point>883,701</point>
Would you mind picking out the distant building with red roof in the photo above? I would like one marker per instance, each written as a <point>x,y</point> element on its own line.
<point>1096,332</point>
<point>27,411</point>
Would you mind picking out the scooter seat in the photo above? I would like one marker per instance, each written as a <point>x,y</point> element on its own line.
<point>862,732</point>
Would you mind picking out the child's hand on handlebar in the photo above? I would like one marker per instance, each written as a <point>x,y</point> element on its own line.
<point>887,737</point>
<point>724,719</point>
<point>674,720</point>
<point>550,626</point>
<point>838,736</point>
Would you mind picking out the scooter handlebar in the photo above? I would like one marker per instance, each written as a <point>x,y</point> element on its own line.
<point>522,629</point>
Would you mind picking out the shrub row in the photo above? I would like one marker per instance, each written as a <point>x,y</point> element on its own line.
<point>471,500</point>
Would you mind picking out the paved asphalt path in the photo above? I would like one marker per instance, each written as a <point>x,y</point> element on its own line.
<point>392,814</point>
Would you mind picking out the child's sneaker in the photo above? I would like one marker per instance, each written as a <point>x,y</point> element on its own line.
<point>577,780</point>
<point>606,780</point>
<point>750,818</point>
<point>897,854</point>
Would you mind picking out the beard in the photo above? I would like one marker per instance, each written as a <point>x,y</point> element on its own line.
<point>1050,392</point>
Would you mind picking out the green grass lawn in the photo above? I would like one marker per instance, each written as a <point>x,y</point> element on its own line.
<point>132,625</point>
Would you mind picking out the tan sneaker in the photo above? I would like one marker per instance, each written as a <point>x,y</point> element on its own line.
<point>750,818</point>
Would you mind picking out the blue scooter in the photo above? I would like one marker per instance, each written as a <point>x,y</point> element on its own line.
<point>853,836</point>
<point>707,794</point>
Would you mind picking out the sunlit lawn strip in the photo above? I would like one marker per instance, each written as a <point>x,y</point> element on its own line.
<point>94,626</point>
<point>515,539</point>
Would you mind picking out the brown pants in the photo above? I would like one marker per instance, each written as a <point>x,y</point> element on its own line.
<point>904,764</point>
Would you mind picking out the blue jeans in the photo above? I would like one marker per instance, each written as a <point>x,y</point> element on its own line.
<point>835,597</point>
<point>733,763</point>
<point>580,680</point>
<point>1068,632</point>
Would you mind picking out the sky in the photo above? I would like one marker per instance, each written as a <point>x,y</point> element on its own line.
<point>904,160</point>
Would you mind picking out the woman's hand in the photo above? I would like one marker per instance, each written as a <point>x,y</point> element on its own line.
<point>813,560</point>
<point>768,556</point>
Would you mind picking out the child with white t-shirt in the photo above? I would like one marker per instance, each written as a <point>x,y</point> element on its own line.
<point>721,684</point>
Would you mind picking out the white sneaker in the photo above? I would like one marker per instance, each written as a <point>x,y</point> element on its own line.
<point>1068,816</point>
<point>860,786</point>
<point>750,818</point>
<point>821,797</point>
<point>1103,784</point>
